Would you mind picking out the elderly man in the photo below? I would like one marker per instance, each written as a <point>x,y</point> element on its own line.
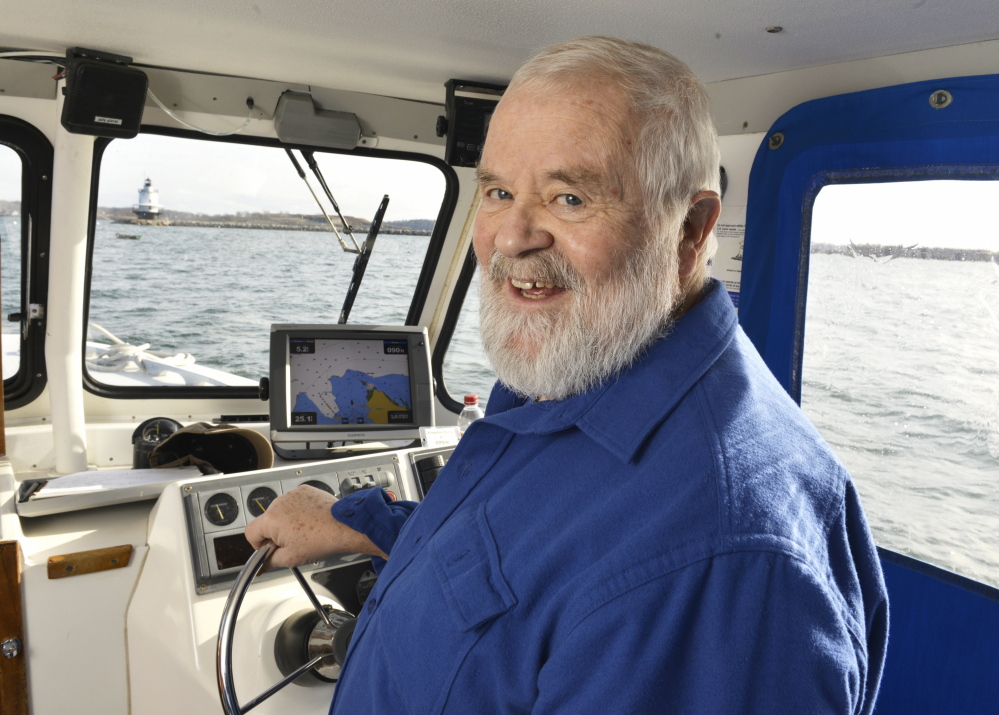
<point>644,522</point>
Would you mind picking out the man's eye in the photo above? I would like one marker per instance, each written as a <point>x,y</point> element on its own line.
<point>569,200</point>
<point>499,194</point>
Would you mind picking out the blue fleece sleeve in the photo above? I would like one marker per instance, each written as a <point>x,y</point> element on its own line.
<point>752,633</point>
<point>374,514</point>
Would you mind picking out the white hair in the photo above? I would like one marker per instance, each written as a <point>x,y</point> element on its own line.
<point>677,145</point>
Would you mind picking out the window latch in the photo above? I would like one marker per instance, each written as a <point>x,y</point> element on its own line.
<point>36,311</point>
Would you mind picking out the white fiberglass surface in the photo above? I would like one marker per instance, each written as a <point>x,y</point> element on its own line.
<point>238,243</point>
<point>901,361</point>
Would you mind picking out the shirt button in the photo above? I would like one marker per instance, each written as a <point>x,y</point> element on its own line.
<point>359,500</point>
<point>348,512</point>
<point>371,605</point>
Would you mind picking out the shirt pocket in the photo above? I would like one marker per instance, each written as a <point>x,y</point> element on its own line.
<point>467,566</point>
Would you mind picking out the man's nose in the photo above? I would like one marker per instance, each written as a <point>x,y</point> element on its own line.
<point>523,229</point>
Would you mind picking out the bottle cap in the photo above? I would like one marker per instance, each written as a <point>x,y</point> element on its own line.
<point>471,399</point>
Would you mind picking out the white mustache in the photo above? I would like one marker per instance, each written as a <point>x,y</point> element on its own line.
<point>547,267</point>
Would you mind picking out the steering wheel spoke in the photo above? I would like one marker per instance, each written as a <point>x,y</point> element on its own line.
<point>312,597</point>
<point>333,626</point>
<point>280,684</point>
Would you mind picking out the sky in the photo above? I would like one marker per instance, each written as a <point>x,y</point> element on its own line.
<point>946,214</point>
<point>216,178</point>
<point>219,178</point>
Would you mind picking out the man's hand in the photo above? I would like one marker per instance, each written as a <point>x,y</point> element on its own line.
<point>300,526</point>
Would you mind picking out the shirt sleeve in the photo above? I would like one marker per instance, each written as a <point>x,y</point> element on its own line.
<point>747,633</point>
<point>373,513</point>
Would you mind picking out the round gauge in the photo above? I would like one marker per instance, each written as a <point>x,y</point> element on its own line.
<point>148,436</point>
<point>221,509</point>
<point>320,485</point>
<point>259,499</point>
<point>156,430</point>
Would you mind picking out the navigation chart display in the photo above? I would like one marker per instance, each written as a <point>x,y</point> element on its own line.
<point>349,382</point>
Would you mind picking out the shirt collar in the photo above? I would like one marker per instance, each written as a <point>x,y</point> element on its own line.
<point>620,414</point>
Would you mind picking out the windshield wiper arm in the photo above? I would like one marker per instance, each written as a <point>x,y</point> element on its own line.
<point>301,173</point>
<point>310,159</point>
<point>361,262</point>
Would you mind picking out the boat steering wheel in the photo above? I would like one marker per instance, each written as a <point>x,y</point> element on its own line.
<point>338,625</point>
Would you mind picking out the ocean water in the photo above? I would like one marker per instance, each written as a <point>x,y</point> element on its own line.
<point>901,366</point>
<point>215,292</point>
<point>901,376</point>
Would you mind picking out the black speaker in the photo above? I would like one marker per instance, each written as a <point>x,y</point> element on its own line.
<point>104,98</point>
<point>469,107</point>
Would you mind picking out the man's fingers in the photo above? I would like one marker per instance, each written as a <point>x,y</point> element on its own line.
<point>268,564</point>
<point>255,533</point>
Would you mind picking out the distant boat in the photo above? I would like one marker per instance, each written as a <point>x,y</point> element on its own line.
<point>133,236</point>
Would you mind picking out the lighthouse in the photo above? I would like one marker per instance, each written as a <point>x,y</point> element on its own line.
<point>149,202</point>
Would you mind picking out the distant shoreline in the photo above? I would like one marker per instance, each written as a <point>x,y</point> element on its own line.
<point>874,251</point>
<point>276,226</point>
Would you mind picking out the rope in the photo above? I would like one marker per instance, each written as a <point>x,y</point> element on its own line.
<point>118,357</point>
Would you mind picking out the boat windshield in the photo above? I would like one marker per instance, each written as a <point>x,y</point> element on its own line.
<point>199,246</point>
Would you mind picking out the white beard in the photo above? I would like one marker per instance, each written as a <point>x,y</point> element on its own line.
<point>602,331</point>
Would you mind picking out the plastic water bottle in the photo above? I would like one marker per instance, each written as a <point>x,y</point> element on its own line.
<point>471,413</point>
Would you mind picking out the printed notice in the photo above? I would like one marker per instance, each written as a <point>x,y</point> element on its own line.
<point>727,264</point>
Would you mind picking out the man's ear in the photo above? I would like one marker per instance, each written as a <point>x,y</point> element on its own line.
<point>704,210</point>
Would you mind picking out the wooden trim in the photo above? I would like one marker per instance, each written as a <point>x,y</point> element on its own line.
<point>13,671</point>
<point>84,562</point>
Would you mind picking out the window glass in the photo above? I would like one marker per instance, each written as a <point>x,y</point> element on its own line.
<point>466,368</point>
<point>201,245</point>
<point>901,361</point>
<point>10,256</point>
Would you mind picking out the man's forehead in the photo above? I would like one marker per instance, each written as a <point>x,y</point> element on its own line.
<point>595,122</point>
<point>579,175</point>
<point>598,93</point>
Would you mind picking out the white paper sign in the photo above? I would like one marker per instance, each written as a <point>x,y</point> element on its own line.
<point>727,263</point>
<point>439,436</point>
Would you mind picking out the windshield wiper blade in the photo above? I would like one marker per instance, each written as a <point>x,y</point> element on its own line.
<point>301,173</point>
<point>361,262</point>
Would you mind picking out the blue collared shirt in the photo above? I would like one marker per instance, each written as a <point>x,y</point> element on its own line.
<point>677,540</point>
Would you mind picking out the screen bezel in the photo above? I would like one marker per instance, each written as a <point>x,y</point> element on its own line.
<point>281,400</point>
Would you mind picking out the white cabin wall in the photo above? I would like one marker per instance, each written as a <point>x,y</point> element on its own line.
<point>753,104</point>
<point>75,626</point>
<point>737,154</point>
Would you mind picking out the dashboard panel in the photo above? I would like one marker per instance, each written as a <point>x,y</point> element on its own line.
<point>218,509</point>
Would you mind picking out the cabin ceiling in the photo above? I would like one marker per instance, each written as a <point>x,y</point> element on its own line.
<point>408,48</point>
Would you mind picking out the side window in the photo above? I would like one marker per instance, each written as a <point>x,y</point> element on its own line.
<point>901,361</point>
<point>466,368</point>
<point>10,256</point>
<point>199,246</point>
